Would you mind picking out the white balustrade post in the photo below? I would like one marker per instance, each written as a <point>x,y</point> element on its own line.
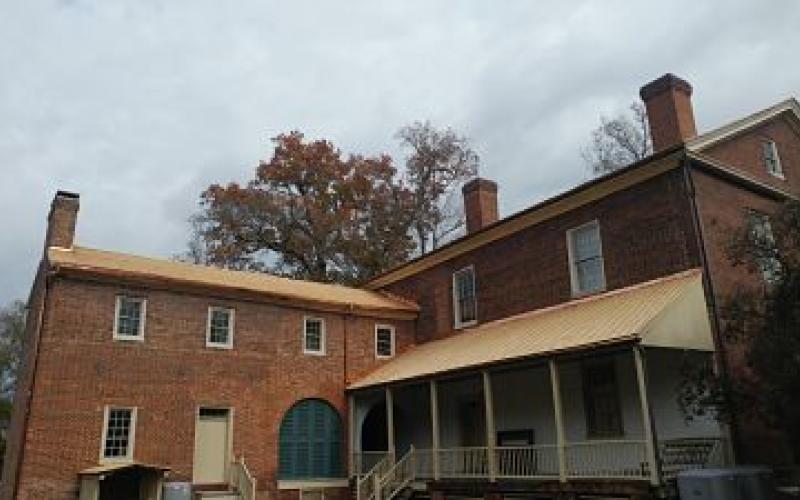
<point>435,429</point>
<point>647,422</point>
<point>376,486</point>
<point>491,435</point>
<point>555,382</point>
<point>390,425</point>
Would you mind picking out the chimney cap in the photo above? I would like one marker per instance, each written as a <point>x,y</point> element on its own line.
<point>664,83</point>
<point>479,183</point>
<point>67,194</point>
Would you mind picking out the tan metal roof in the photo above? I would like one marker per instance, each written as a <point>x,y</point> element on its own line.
<point>668,312</point>
<point>119,264</point>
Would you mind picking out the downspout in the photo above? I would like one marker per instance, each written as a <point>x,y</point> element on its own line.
<point>46,274</point>
<point>708,285</point>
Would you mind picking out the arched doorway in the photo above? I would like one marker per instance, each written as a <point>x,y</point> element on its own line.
<point>311,442</point>
<point>374,436</point>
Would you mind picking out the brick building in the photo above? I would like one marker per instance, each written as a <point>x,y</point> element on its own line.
<point>539,352</point>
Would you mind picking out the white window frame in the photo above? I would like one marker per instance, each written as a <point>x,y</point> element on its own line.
<point>767,270</point>
<point>231,326</point>
<point>457,323</point>
<point>142,319</point>
<point>391,341</point>
<point>322,343</point>
<point>778,171</point>
<point>131,437</point>
<point>573,270</point>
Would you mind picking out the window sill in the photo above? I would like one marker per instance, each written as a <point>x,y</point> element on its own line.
<point>461,326</point>
<point>577,294</point>
<point>311,483</point>
<point>778,176</point>
<point>224,347</point>
<point>384,357</point>
<point>129,338</point>
<point>313,353</point>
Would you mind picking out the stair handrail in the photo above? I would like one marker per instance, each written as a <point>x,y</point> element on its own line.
<point>400,475</point>
<point>371,478</point>
<point>243,480</point>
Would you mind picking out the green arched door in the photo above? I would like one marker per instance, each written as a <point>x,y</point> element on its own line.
<point>311,442</point>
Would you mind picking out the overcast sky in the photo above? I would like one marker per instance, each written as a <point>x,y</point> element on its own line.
<point>139,105</point>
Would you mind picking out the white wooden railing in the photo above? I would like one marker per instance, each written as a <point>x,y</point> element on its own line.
<point>242,480</point>
<point>613,459</point>
<point>368,484</point>
<point>521,462</point>
<point>469,462</point>
<point>600,459</point>
<point>399,475</point>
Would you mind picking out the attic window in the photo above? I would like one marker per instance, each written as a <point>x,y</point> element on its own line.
<point>771,159</point>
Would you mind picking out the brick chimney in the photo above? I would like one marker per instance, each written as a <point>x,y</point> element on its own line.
<point>669,110</point>
<point>62,219</point>
<point>480,203</point>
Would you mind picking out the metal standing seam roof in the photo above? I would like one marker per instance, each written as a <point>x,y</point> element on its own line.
<point>113,263</point>
<point>667,312</point>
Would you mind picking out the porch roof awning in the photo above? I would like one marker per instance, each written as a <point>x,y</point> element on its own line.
<point>117,466</point>
<point>667,312</point>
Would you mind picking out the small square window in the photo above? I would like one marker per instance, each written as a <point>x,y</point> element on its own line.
<point>384,341</point>
<point>118,433</point>
<point>465,301</point>
<point>130,317</point>
<point>219,332</point>
<point>586,259</point>
<point>314,336</point>
<point>771,159</point>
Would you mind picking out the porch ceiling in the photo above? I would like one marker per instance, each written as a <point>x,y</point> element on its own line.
<point>667,312</point>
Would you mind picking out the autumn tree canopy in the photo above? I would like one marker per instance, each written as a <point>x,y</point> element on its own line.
<point>309,213</point>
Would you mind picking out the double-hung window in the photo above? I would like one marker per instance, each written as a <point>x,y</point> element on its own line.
<point>384,341</point>
<point>771,158</point>
<point>119,428</point>
<point>129,318</point>
<point>465,305</point>
<point>586,259</point>
<point>313,336</point>
<point>219,332</point>
<point>763,241</point>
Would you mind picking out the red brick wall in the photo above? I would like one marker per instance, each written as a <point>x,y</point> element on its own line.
<point>170,374</point>
<point>646,232</point>
<point>722,209</point>
<point>745,152</point>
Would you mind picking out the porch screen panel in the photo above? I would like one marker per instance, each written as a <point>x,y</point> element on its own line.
<point>601,399</point>
<point>310,444</point>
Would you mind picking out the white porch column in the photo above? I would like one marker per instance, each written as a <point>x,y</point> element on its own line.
<point>351,434</point>
<point>390,424</point>
<point>491,435</point>
<point>434,429</point>
<point>555,382</point>
<point>647,423</point>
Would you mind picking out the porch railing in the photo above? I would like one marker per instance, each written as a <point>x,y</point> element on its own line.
<point>613,459</point>
<point>519,462</point>
<point>601,459</point>
<point>469,462</point>
<point>242,480</point>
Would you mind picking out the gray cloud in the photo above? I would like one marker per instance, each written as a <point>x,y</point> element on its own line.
<point>139,105</point>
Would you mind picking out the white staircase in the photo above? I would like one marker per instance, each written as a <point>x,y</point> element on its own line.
<point>387,480</point>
